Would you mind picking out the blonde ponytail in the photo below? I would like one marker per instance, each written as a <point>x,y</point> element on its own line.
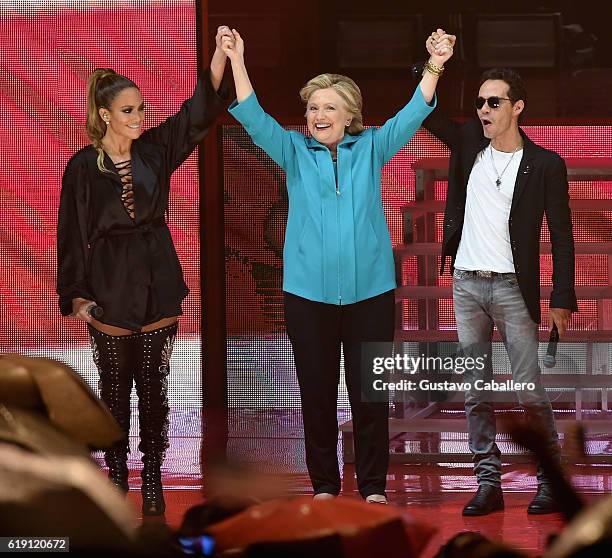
<point>103,85</point>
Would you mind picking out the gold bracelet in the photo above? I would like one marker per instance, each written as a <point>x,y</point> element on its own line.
<point>433,68</point>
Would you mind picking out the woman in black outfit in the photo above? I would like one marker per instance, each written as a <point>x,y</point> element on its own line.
<point>115,251</point>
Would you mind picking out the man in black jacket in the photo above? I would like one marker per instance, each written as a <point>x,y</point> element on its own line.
<point>500,184</point>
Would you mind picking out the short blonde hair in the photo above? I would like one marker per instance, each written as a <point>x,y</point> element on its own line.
<point>346,88</point>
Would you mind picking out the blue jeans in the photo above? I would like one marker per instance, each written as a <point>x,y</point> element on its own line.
<point>479,303</point>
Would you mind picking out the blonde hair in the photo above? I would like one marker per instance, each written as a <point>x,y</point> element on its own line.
<point>103,85</point>
<point>348,91</point>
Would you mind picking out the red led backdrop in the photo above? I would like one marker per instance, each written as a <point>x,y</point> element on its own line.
<point>46,57</point>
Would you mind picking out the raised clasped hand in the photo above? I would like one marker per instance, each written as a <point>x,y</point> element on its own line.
<point>440,46</point>
<point>224,33</point>
<point>233,45</point>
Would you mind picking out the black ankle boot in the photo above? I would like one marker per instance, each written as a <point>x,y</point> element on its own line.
<point>114,357</point>
<point>487,499</point>
<point>544,501</point>
<point>152,387</point>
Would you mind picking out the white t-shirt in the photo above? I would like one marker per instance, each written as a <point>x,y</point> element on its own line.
<point>485,240</point>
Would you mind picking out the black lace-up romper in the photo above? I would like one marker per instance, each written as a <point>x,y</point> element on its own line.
<point>124,170</point>
<point>113,244</point>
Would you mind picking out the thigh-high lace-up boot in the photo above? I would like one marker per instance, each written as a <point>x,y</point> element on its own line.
<point>152,388</point>
<point>114,356</point>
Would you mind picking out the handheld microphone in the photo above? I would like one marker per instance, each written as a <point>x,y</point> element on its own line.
<point>551,352</point>
<point>95,312</point>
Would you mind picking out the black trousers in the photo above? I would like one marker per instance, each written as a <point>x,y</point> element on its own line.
<point>317,331</point>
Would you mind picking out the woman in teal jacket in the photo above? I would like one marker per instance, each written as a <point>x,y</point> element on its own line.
<point>339,274</point>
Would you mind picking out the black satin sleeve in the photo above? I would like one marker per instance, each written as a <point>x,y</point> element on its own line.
<point>183,131</point>
<point>72,246</point>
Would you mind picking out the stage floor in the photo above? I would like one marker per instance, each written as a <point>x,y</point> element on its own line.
<point>272,443</point>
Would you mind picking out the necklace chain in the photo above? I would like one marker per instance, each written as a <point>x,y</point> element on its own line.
<point>498,182</point>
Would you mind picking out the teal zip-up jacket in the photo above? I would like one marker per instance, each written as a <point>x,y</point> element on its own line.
<point>337,244</point>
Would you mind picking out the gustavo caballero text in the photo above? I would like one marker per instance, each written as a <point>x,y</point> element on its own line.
<point>428,384</point>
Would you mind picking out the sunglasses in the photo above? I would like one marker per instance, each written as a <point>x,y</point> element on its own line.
<point>493,102</point>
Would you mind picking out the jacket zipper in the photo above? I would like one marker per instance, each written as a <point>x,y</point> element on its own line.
<point>339,241</point>
<point>339,232</point>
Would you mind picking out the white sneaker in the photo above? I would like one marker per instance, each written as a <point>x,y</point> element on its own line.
<point>377,499</point>
<point>323,496</point>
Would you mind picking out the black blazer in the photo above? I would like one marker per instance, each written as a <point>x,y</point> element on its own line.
<point>130,268</point>
<point>541,187</point>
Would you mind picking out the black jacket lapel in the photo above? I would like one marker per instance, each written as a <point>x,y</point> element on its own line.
<point>525,171</point>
